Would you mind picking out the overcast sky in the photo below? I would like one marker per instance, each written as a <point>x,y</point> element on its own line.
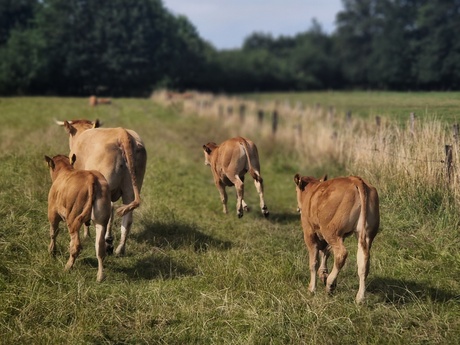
<point>226,23</point>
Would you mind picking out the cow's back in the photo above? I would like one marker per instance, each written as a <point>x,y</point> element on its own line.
<point>230,158</point>
<point>70,192</point>
<point>333,204</point>
<point>99,149</point>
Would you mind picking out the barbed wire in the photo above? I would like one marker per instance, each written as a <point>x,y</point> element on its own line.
<point>402,157</point>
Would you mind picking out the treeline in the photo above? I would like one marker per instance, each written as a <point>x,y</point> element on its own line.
<point>130,48</point>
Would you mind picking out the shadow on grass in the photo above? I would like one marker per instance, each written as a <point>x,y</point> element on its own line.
<point>284,218</point>
<point>178,235</point>
<point>147,268</point>
<point>156,263</point>
<point>399,291</point>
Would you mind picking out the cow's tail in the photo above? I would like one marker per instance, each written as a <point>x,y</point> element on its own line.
<point>88,208</point>
<point>125,144</point>
<point>364,196</point>
<point>254,173</point>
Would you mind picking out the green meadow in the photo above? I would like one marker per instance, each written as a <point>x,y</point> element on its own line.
<point>193,275</point>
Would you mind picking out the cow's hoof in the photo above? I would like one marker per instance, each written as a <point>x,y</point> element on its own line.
<point>109,250</point>
<point>109,245</point>
<point>100,277</point>
<point>265,211</point>
<point>323,277</point>
<point>120,250</point>
<point>240,215</point>
<point>330,288</point>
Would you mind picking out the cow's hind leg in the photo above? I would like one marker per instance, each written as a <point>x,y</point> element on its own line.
<point>223,196</point>
<point>322,270</point>
<point>363,259</point>
<point>239,186</point>
<point>100,250</point>
<point>108,233</point>
<point>54,230</point>
<point>313,263</point>
<point>340,255</point>
<point>75,246</point>
<point>258,182</point>
<point>312,247</point>
<point>126,224</point>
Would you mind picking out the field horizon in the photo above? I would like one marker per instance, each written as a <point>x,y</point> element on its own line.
<point>192,275</point>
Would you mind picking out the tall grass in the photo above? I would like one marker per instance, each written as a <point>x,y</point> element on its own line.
<point>193,275</point>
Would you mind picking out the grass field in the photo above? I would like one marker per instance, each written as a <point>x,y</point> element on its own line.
<point>191,274</point>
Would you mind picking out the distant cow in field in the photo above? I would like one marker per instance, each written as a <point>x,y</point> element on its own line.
<point>93,101</point>
<point>76,197</point>
<point>229,162</point>
<point>120,155</point>
<point>331,210</point>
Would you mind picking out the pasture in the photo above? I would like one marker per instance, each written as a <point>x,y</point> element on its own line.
<point>192,275</point>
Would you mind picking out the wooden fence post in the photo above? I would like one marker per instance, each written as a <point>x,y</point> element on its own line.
<point>456,128</point>
<point>275,121</point>
<point>242,111</point>
<point>348,117</point>
<point>448,162</point>
<point>221,110</point>
<point>412,123</point>
<point>260,116</point>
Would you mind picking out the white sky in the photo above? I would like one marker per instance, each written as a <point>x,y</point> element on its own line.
<point>226,23</point>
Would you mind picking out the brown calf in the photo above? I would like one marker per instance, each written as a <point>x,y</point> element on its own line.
<point>229,162</point>
<point>76,197</point>
<point>330,211</point>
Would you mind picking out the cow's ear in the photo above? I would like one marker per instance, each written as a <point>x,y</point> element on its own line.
<point>50,162</point>
<point>297,179</point>
<point>97,124</point>
<point>207,149</point>
<point>73,159</point>
<point>324,178</point>
<point>301,183</point>
<point>69,128</point>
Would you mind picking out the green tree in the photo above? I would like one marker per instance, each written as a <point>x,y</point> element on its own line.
<point>355,32</point>
<point>392,55</point>
<point>116,47</point>
<point>15,15</point>
<point>438,47</point>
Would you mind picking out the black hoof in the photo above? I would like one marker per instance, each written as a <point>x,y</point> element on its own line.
<point>109,250</point>
<point>109,246</point>
<point>265,211</point>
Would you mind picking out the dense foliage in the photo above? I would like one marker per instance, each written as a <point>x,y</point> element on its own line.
<point>118,47</point>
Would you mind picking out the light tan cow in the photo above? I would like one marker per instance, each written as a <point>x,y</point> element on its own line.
<point>93,101</point>
<point>331,210</point>
<point>120,155</point>
<point>229,163</point>
<point>76,197</point>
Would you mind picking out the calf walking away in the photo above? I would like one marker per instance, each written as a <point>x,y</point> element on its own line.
<point>77,197</point>
<point>331,210</point>
<point>229,162</point>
